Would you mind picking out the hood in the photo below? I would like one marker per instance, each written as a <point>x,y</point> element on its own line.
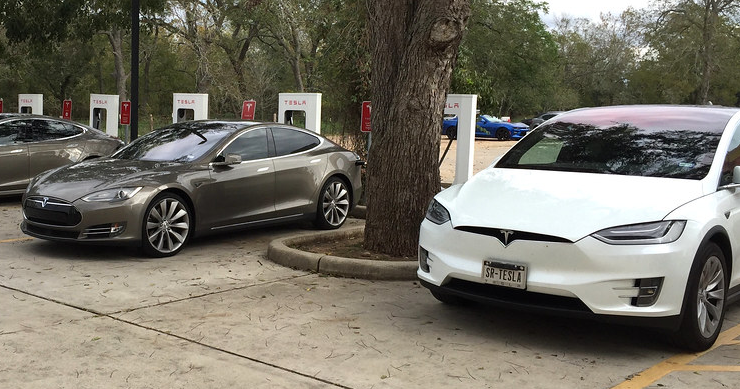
<point>563,204</point>
<point>519,125</point>
<point>74,181</point>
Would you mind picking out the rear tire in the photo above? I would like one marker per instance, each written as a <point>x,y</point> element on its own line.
<point>452,133</point>
<point>704,303</point>
<point>333,205</point>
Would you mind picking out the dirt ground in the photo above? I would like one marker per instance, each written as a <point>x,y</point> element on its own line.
<point>486,150</point>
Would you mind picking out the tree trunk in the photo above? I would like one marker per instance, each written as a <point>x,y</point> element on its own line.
<point>414,48</point>
<point>115,37</point>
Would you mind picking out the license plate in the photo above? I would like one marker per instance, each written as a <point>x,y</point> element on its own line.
<point>505,274</point>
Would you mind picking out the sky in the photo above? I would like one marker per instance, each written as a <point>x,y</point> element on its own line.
<point>590,9</point>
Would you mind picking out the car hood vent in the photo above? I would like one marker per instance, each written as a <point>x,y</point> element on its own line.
<point>507,236</point>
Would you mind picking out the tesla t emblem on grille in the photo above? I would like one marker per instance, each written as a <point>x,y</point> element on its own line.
<point>44,201</point>
<point>507,234</point>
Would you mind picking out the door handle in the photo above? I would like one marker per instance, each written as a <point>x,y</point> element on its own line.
<point>263,169</point>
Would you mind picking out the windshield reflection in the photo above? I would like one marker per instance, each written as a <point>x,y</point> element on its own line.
<point>180,142</point>
<point>618,149</point>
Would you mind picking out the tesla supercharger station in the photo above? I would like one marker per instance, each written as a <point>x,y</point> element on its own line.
<point>464,107</point>
<point>308,103</point>
<point>189,106</point>
<point>31,103</point>
<point>104,113</point>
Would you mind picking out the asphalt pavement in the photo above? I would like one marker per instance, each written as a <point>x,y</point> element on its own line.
<point>221,315</point>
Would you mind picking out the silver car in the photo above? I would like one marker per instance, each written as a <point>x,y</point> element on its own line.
<point>192,179</point>
<point>31,144</point>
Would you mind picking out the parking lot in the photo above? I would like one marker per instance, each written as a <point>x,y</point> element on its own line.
<point>220,314</point>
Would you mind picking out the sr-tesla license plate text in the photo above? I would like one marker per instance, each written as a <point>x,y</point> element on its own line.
<point>505,274</point>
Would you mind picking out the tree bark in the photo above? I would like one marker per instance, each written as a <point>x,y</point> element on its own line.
<point>414,48</point>
<point>115,37</point>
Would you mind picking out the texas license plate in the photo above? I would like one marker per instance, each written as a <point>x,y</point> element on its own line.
<point>511,275</point>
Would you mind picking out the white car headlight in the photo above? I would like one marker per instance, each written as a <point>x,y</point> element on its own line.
<point>436,213</point>
<point>118,194</point>
<point>646,233</point>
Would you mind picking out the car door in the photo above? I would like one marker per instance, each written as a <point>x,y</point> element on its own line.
<point>299,171</point>
<point>13,156</point>
<point>55,144</point>
<point>729,203</point>
<point>243,193</point>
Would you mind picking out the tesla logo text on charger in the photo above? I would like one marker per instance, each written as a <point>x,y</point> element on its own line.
<point>26,100</point>
<point>100,101</point>
<point>185,102</point>
<point>295,102</point>
<point>452,105</point>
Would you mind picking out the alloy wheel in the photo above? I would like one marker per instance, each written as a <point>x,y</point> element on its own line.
<point>335,203</point>
<point>167,225</point>
<point>710,296</point>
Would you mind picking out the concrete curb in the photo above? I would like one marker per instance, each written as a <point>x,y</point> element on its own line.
<point>279,252</point>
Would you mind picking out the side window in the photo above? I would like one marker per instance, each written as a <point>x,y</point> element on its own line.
<point>9,132</point>
<point>732,159</point>
<point>13,131</point>
<point>251,145</point>
<point>50,130</point>
<point>289,141</point>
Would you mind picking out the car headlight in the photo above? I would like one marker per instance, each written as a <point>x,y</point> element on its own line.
<point>118,194</point>
<point>646,233</point>
<point>436,213</point>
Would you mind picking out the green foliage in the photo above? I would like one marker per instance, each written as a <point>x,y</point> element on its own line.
<point>254,49</point>
<point>508,58</point>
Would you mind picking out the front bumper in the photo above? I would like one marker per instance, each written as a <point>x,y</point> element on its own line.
<point>584,278</point>
<point>99,222</point>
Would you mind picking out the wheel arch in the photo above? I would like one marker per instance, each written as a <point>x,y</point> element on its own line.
<point>719,236</point>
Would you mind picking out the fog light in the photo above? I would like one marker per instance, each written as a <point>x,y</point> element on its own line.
<point>117,229</point>
<point>423,258</point>
<point>648,291</point>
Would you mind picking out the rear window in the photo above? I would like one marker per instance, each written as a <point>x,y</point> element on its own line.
<point>677,142</point>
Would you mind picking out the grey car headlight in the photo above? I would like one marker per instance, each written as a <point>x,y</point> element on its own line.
<point>436,213</point>
<point>646,233</point>
<point>118,194</point>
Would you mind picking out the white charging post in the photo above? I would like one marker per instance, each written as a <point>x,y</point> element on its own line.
<point>463,106</point>
<point>308,103</point>
<point>189,106</point>
<point>104,113</point>
<point>31,103</point>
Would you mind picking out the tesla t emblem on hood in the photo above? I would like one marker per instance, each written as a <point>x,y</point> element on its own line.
<point>44,201</point>
<point>507,234</point>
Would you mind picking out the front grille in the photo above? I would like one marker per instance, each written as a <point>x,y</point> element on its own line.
<point>517,297</point>
<point>52,212</point>
<point>508,236</point>
<point>48,232</point>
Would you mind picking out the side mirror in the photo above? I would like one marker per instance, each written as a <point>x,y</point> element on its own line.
<point>229,159</point>
<point>736,175</point>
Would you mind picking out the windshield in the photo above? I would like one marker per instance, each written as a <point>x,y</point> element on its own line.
<point>636,142</point>
<point>491,118</point>
<point>180,142</point>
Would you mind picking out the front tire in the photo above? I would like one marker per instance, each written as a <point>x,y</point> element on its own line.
<point>452,133</point>
<point>166,226</point>
<point>503,134</point>
<point>333,205</point>
<point>704,303</point>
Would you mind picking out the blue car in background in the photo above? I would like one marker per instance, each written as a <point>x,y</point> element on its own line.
<point>488,127</point>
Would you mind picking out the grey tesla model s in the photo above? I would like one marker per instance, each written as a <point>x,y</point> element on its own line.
<point>31,144</point>
<point>192,179</point>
